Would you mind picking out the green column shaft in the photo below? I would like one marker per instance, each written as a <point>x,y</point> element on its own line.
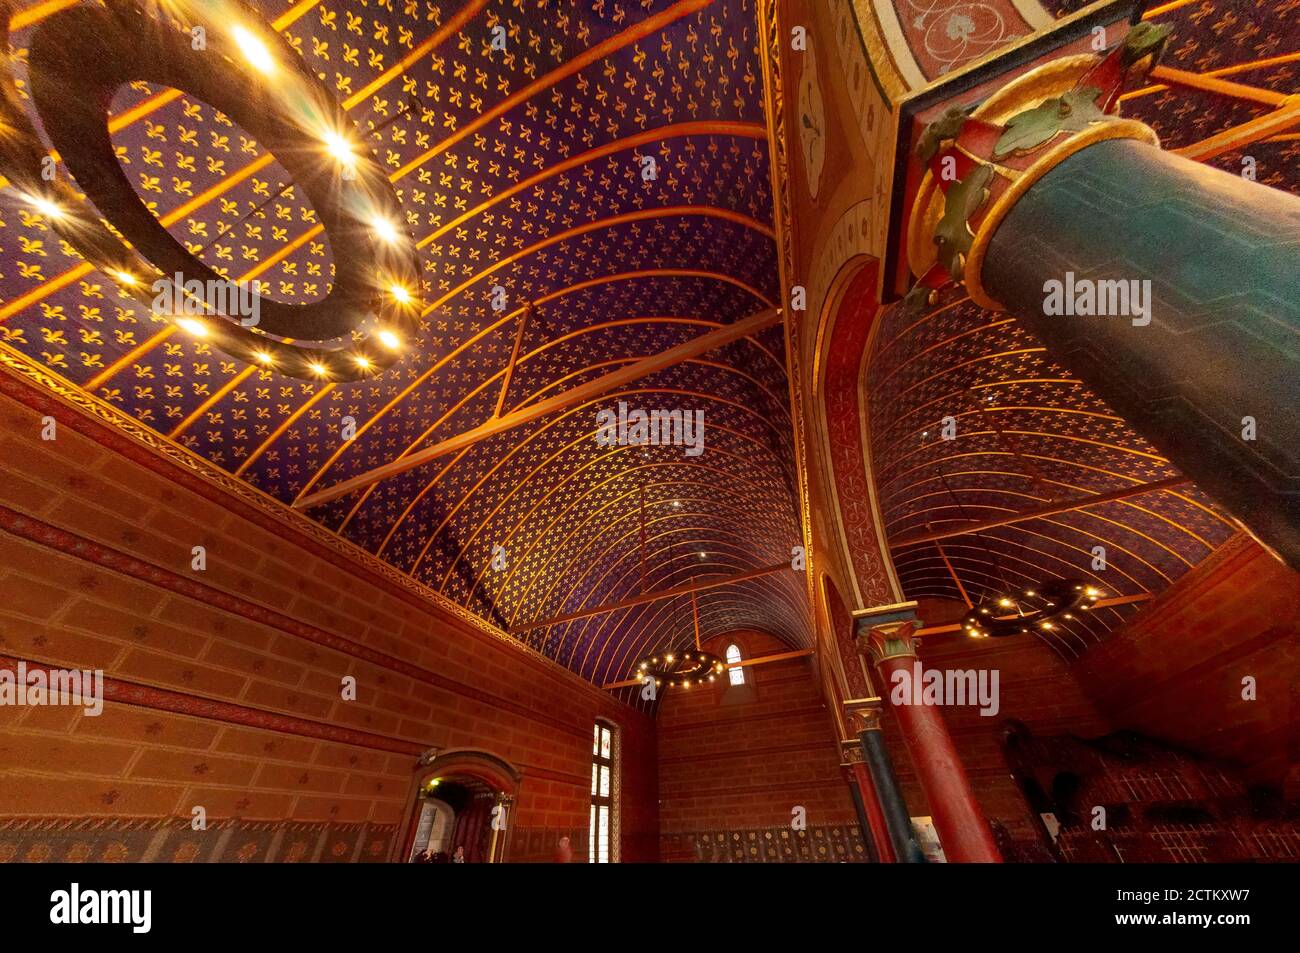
<point>1221,352</point>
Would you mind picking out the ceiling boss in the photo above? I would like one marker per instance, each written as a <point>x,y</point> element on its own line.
<point>222,52</point>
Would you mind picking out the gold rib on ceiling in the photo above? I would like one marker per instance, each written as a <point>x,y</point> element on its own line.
<point>727,515</point>
<point>641,215</point>
<point>414,444</point>
<point>523,482</point>
<point>514,315</point>
<point>604,398</point>
<point>585,466</point>
<point>754,591</point>
<point>614,43</point>
<point>659,134</point>
<point>223,185</point>
<point>576,577</point>
<point>637,31</point>
<point>687,550</point>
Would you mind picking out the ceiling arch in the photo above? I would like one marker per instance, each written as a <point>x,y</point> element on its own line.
<point>1023,435</point>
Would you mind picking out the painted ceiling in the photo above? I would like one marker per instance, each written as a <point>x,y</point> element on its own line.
<point>522,168</point>
<point>519,168</point>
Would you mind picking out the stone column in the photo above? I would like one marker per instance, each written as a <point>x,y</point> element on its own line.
<point>1208,369</point>
<point>871,819</point>
<point>877,771</point>
<point>963,829</point>
<point>500,819</point>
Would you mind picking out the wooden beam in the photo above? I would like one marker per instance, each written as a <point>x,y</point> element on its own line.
<point>570,398</point>
<point>761,660</point>
<point>1261,127</point>
<point>952,572</point>
<point>1099,604</point>
<point>1212,84</point>
<point>1062,507</point>
<point>697,586</point>
<point>695,616</point>
<point>1245,66</point>
<point>1166,8</point>
<point>514,356</point>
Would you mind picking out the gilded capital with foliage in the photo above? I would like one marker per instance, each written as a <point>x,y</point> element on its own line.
<point>980,159</point>
<point>889,640</point>
<point>864,718</point>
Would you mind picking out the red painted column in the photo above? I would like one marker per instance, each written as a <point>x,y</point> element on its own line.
<point>963,830</point>
<point>871,806</point>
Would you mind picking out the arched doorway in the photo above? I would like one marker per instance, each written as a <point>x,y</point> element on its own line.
<point>461,805</point>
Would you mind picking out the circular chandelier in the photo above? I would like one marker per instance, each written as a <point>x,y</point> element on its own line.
<point>223,53</point>
<point>1037,607</point>
<point>680,669</point>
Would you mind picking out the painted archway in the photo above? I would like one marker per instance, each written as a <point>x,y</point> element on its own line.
<point>479,771</point>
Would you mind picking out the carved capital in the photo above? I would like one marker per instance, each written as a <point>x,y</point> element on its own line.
<point>980,160</point>
<point>891,640</point>
<point>886,632</point>
<point>864,715</point>
<point>851,752</point>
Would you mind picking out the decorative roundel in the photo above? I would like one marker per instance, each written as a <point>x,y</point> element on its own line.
<point>682,669</point>
<point>219,51</point>
<point>1038,607</point>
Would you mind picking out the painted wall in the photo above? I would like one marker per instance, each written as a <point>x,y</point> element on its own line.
<point>734,759</point>
<point>1176,672</point>
<point>224,684</point>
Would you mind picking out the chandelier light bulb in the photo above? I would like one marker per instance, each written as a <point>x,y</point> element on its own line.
<point>45,206</point>
<point>254,51</point>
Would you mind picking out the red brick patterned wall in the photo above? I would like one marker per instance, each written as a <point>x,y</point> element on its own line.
<point>224,685</point>
<point>1176,672</point>
<point>727,767</point>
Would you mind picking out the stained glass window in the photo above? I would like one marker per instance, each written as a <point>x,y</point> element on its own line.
<point>603,823</point>
<point>736,674</point>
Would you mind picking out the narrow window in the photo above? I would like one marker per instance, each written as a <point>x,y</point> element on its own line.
<point>734,671</point>
<point>603,830</point>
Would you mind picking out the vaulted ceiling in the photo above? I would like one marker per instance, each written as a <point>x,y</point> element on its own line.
<point>523,169</point>
<point>520,169</point>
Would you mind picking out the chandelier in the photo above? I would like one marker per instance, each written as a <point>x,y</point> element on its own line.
<point>222,53</point>
<point>680,669</point>
<point>1038,607</point>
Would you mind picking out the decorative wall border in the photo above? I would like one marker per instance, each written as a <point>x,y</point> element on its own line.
<point>139,695</point>
<point>769,31</point>
<point>198,706</point>
<point>70,544</point>
<point>29,839</point>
